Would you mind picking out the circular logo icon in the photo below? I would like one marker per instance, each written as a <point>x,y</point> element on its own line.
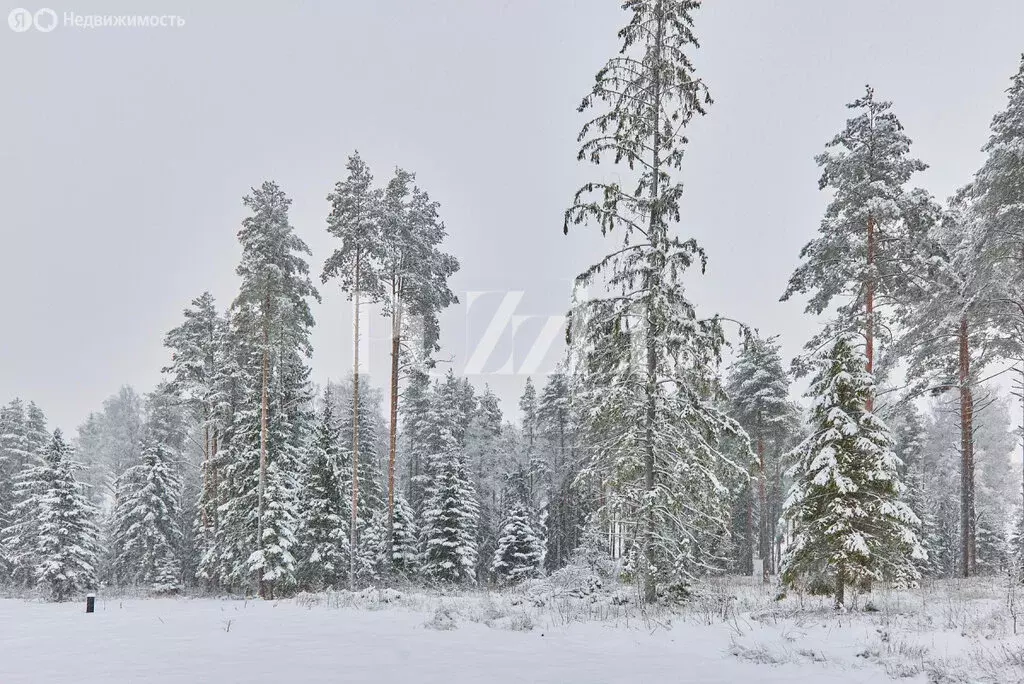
<point>46,20</point>
<point>20,20</point>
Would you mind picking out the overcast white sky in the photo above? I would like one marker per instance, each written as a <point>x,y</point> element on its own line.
<point>126,152</point>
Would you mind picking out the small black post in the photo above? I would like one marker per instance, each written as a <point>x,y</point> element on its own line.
<point>90,603</point>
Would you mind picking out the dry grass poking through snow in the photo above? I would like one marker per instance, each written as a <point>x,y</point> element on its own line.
<point>945,631</point>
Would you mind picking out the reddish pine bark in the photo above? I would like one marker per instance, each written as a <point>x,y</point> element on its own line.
<point>967,527</point>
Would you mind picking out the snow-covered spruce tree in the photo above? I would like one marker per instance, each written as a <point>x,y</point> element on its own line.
<point>866,253</point>
<point>226,547</point>
<point>197,359</point>
<point>18,537</point>
<point>415,411</point>
<point>647,359</point>
<point>145,520</point>
<point>758,391</point>
<point>533,465</point>
<point>566,509</point>
<point>14,455</point>
<point>272,319</point>
<point>520,552</point>
<point>909,441</point>
<point>67,547</point>
<point>37,433</point>
<point>531,474</point>
<point>850,524</point>
<point>482,445</point>
<point>405,555</point>
<point>323,511</point>
<point>109,443</point>
<point>372,549</point>
<point>449,520</point>
<point>450,508</point>
<point>528,407</point>
<point>370,557</point>
<point>466,407</point>
<point>355,219</point>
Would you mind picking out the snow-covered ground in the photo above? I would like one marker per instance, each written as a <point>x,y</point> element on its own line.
<point>735,632</point>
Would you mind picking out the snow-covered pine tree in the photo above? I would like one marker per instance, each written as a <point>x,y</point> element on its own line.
<point>997,192</point>
<point>997,488</point>
<point>414,277</point>
<point>520,551</point>
<point>66,547</point>
<point>954,327</point>
<point>647,360</point>
<point>355,218</point>
<point>867,248</point>
<point>942,460</point>
<point>145,531</point>
<point>323,511</point>
<point>1017,537</point>
<point>758,391</point>
<point>849,521</point>
<point>271,318</point>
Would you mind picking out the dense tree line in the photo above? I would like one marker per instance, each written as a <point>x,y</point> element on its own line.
<point>237,474</point>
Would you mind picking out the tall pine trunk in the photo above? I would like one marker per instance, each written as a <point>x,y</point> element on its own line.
<point>655,237</point>
<point>264,436</point>
<point>396,346</point>
<point>764,548</point>
<point>355,432</point>
<point>203,517</point>
<point>869,306</point>
<point>967,523</point>
<point>215,479</point>
<point>751,532</point>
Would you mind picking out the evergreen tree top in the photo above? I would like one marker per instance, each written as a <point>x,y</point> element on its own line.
<point>758,385</point>
<point>645,96</point>
<point>998,189</point>
<point>355,218</point>
<point>275,289</point>
<point>866,167</point>
<point>413,230</point>
<point>193,346</point>
<point>868,160</point>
